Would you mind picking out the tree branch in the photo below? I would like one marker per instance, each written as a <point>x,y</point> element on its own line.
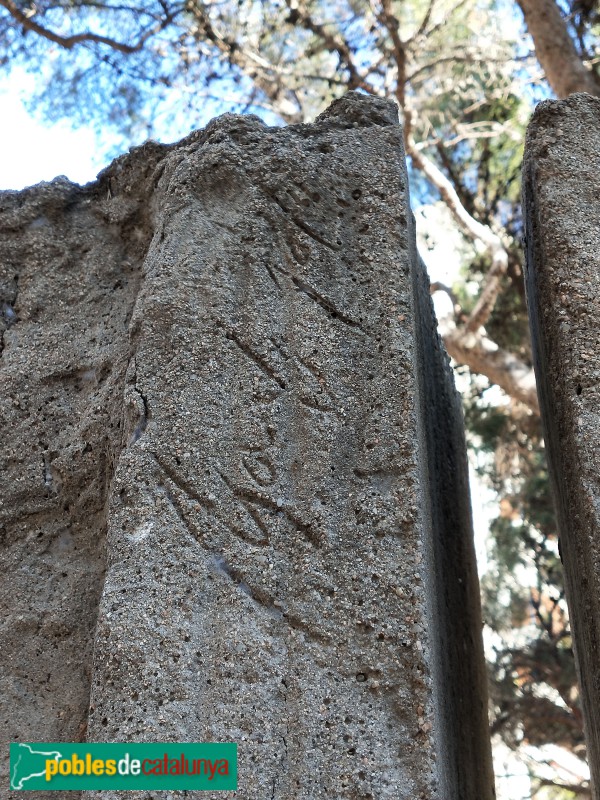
<point>333,43</point>
<point>68,42</point>
<point>392,24</point>
<point>582,789</point>
<point>425,21</point>
<point>483,356</point>
<point>460,57</point>
<point>474,229</point>
<point>466,197</point>
<point>264,74</point>
<point>555,50</point>
<point>438,286</point>
<point>423,32</point>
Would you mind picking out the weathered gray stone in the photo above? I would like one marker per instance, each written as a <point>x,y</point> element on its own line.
<point>70,268</point>
<point>562,209</point>
<point>289,561</point>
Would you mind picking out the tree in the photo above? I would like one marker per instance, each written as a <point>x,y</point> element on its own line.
<point>533,685</point>
<point>562,53</point>
<point>292,58</point>
<point>465,92</point>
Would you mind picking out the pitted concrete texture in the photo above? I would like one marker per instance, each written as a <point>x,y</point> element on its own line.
<point>289,559</point>
<point>562,210</point>
<point>70,267</point>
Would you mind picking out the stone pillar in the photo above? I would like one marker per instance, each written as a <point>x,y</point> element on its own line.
<point>289,559</point>
<point>70,268</point>
<point>561,197</point>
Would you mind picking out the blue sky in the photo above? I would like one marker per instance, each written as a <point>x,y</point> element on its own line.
<point>35,150</point>
<point>32,152</point>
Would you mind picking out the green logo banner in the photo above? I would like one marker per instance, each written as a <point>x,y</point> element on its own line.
<point>57,765</point>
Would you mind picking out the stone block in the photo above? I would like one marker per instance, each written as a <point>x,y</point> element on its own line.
<point>561,202</point>
<point>256,434</point>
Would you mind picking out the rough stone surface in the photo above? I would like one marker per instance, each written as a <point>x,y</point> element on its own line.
<point>562,209</point>
<point>250,423</point>
<point>69,274</point>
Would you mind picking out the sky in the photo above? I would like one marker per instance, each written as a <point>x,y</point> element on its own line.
<point>33,152</point>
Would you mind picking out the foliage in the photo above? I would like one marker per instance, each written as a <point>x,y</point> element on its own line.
<point>533,687</point>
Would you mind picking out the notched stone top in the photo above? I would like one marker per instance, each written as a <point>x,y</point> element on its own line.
<point>136,173</point>
<point>142,168</point>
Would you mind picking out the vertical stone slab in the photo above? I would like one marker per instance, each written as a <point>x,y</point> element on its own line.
<point>561,196</point>
<point>223,387</point>
<point>70,266</point>
<point>277,519</point>
<point>459,674</point>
